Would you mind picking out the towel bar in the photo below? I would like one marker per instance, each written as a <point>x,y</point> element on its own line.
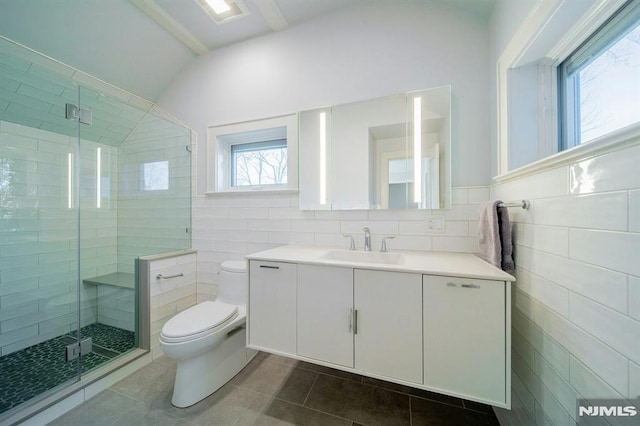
<point>522,203</point>
<point>163,277</point>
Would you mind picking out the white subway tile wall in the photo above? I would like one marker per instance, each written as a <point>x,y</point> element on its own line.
<point>153,218</point>
<point>38,234</point>
<point>170,296</point>
<point>231,226</point>
<point>576,307</point>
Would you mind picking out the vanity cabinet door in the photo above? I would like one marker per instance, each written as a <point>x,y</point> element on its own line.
<point>388,337</point>
<point>272,306</point>
<point>325,309</point>
<point>464,337</point>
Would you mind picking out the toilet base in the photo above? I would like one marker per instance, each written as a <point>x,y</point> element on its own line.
<point>199,377</point>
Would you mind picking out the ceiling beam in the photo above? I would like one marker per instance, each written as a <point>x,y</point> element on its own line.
<point>272,14</point>
<point>158,14</point>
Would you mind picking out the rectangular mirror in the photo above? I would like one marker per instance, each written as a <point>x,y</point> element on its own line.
<point>392,152</point>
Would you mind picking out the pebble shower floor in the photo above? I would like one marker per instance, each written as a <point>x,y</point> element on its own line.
<point>30,372</point>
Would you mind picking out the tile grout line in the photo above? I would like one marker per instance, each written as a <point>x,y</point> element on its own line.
<point>410,395</point>
<point>318,373</point>
<point>295,403</point>
<point>310,389</point>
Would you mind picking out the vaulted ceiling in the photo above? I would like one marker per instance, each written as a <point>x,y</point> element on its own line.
<point>141,45</point>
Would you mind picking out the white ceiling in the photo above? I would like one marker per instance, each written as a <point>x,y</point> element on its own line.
<point>117,42</point>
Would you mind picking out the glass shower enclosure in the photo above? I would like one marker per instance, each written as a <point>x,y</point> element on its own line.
<point>88,183</point>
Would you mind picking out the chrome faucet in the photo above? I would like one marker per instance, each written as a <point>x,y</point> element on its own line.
<point>352,242</point>
<point>367,239</point>
<point>383,246</point>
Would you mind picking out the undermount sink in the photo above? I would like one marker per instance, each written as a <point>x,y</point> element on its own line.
<point>364,256</point>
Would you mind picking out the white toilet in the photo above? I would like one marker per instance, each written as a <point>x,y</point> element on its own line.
<point>208,340</point>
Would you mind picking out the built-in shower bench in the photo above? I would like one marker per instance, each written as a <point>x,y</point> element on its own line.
<point>115,299</point>
<point>116,279</point>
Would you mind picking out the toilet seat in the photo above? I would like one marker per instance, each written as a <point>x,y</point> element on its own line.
<point>200,320</point>
<point>234,266</point>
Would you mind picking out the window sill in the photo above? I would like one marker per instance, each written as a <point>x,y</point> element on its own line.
<point>252,191</point>
<point>614,141</point>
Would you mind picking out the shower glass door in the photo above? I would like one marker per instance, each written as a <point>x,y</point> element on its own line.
<point>107,282</point>
<point>39,190</point>
<point>135,200</point>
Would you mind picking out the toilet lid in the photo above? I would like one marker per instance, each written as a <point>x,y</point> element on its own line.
<point>199,318</point>
<point>234,266</point>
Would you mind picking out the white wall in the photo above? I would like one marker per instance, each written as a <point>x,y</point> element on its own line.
<point>506,18</point>
<point>353,55</point>
<point>357,54</point>
<point>576,301</point>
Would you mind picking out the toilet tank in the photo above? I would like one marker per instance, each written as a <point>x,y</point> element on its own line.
<point>232,287</point>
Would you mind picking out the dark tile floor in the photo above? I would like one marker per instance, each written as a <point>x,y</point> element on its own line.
<point>274,390</point>
<point>30,372</point>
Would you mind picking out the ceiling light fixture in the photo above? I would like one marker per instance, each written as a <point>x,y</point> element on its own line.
<point>218,6</point>
<point>222,11</point>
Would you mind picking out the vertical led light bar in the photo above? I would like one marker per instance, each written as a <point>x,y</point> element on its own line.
<point>70,180</point>
<point>98,176</point>
<point>417,149</point>
<point>323,158</point>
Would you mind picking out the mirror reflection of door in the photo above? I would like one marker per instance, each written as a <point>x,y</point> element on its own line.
<point>396,185</point>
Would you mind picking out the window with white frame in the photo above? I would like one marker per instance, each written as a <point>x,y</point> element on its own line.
<point>258,155</point>
<point>568,83</point>
<point>259,163</point>
<point>599,83</point>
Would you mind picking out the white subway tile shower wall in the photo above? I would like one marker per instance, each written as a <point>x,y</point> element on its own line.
<point>116,307</point>
<point>38,243</point>
<point>170,296</point>
<point>232,226</point>
<point>153,221</point>
<point>576,299</point>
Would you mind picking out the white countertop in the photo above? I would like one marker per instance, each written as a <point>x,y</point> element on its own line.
<point>425,262</point>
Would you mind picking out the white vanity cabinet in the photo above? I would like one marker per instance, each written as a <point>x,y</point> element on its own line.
<point>434,321</point>
<point>325,314</point>
<point>388,334</point>
<point>271,306</point>
<point>365,319</point>
<point>465,338</point>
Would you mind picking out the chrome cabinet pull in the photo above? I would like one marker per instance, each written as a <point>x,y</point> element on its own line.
<point>269,267</point>
<point>470,286</point>
<point>350,320</point>
<point>452,284</point>
<point>355,321</point>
